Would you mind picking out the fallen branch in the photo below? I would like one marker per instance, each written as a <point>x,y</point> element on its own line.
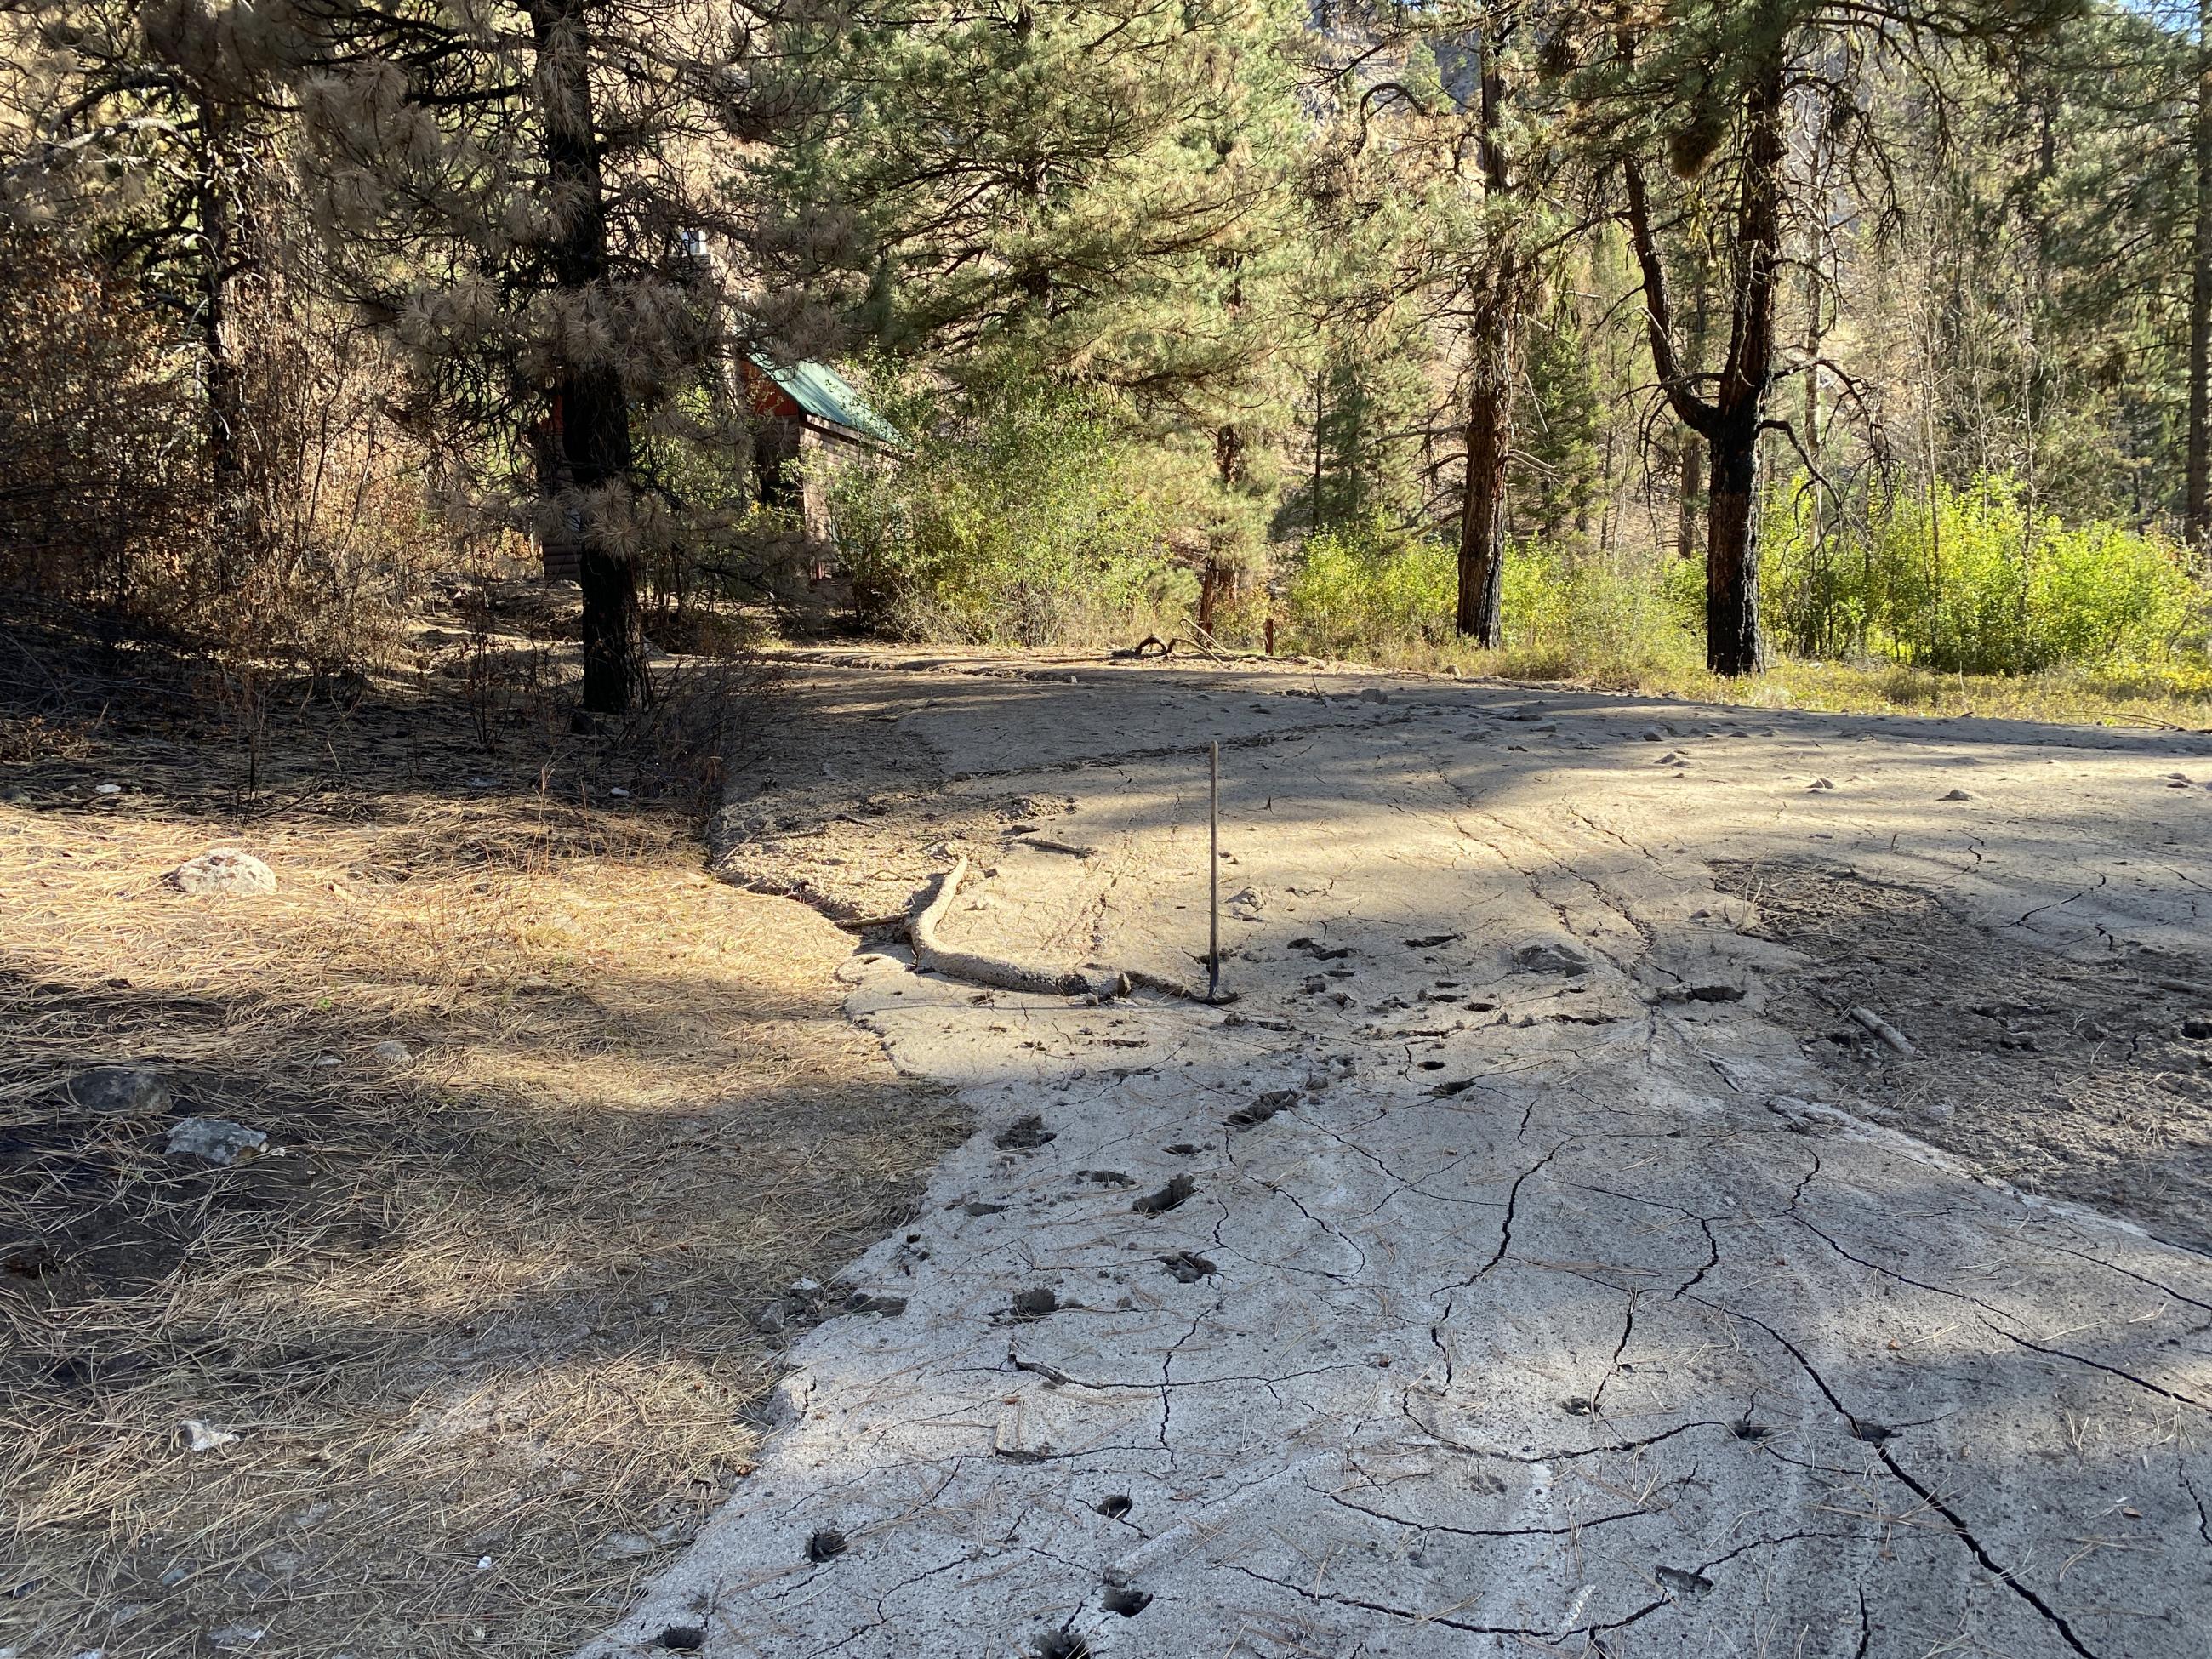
<point>969,965</point>
<point>1881,1028</point>
<point>1001,974</point>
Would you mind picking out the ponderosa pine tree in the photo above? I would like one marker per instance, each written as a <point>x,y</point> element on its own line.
<point>153,135</point>
<point>1723,85</point>
<point>534,196</point>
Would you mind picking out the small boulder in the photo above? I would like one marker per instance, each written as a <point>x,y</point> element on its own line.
<point>216,1139</point>
<point>120,1090</point>
<point>224,870</point>
<point>1552,956</point>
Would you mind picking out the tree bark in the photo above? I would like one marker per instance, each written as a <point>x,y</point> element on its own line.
<point>2198,514</point>
<point>1494,353</point>
<point>1489,446</point>
<point>594,437</point>
<point>1734,644</point>
<point>1733,419</point>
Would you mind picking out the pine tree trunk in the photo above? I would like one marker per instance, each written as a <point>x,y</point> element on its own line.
<point>1733,641</point>
<point>1489,445</point>
<point>1692,488</point>
<point>595,436</point>
<point>1690,506</point>
<point>2198,521</point>
<point>225,228</point>
<point>1495,351</point>
<point>1733,645</point>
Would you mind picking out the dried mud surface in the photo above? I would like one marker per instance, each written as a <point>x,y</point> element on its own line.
<point>1517,1266</point>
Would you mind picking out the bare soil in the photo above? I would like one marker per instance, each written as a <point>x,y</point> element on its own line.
<point>2075,1080</point>
<point>483,1320</point>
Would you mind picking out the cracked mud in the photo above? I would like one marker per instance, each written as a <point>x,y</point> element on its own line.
<point>1520,1265</point>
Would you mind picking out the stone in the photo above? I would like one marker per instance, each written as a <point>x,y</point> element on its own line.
<point>216,1139</point>
<point>392,1052</point>
<point>201,1437</point>
<point>118,1090</point>
<point>1551,957</point>
<point>224,870</point>
<point>1958,794</point>
<point>622,1546</point>
<point>1373,694</point>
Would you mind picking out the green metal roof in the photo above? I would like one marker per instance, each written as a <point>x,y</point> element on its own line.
<point>828,396</point>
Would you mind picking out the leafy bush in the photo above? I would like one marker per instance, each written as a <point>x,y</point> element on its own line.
<point>1587,614</point>
<point>1020,518</point>
<point>1972,583</point>
<point>1356,591</point>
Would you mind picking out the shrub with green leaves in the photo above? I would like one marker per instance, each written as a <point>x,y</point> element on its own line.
<point>1972,582</point>
<point>1352,589</point>
<point>1021,516</point>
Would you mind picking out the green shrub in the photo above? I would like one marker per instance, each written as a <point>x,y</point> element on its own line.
<point>1353,592</point>
<point>1972,583</point>
<point>1017,519</point>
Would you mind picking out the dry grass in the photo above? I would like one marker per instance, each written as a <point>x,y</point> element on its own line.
<point>2172,697</point>
<point>484,1328</point>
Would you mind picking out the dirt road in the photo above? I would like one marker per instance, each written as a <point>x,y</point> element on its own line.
<point>1541,1256</point>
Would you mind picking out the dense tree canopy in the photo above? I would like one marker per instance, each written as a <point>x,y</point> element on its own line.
<point>1488,308</point>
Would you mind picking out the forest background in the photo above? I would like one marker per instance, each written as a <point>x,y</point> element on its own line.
<point>1812,351</point>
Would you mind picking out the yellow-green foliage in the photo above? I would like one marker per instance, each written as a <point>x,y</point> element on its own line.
<point>1973,582</point>
<point>1378,594</point>
<point>1355,592</point>
<point>1024,521</point>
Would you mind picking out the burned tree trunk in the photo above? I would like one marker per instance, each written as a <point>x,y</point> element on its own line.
<point>1489,447</point>
<point>1732,421</point>
<point>1733,643</point>
<point>1494,350</point>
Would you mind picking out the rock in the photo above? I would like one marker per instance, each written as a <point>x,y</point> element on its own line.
<point>214,1138</point>
<point>225,871</point>
<point>1373,694</point>
<point>1817,785</point>
<point>1958,794</point>
<point>1654,736</point>
<point>1039,1303</point>
<point>392,1052</point>
<point>107,789</point>
<point>1551,957</point>
<point>771,1319</point>
<point>238,1634</point>
<point>117,1089</point>
<point>201,1436</point>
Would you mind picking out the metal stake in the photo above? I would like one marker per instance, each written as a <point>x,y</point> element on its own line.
<point>1213,885</point>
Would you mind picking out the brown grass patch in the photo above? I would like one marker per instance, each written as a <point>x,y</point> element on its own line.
<point>484,1328</point>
